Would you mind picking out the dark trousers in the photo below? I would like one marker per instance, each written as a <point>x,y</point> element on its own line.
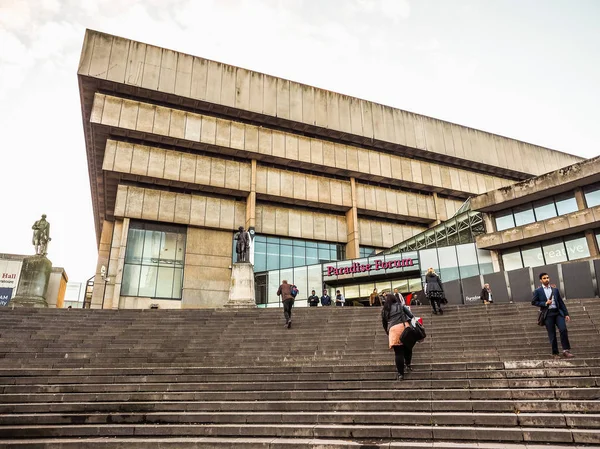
<point>403,354</point>
<point>287,309</point>
<point>554,318</point>
<point>435,304</point>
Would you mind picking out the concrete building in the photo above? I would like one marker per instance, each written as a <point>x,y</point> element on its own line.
<point>183,150</point>
<point>548,219</point>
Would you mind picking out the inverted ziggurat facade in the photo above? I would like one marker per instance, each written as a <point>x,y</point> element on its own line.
<point>183,150</point>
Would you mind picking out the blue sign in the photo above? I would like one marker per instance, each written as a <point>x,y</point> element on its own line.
<point>5,295</point>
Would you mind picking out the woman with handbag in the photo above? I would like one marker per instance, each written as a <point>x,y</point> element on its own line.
<point>434,291</point>
<point>396,317</point>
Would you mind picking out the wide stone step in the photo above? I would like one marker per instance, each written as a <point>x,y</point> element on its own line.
<point>352,432</point>
<point>261,443</point>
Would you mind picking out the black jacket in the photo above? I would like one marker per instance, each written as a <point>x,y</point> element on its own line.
<point>396,315</point>
<point>313,300</point>
<point>485,295</point>
<point>433,283</point>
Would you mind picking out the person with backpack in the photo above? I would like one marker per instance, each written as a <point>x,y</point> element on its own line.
<point>288,293</point>
<point>395,317</point>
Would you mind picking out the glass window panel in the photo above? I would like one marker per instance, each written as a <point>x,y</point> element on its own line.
<point>554,251</point>
<point>131,279</point>
<point>384,286</point>
<point>340,252</point>
<point>151,247</point>
<point>544,209</point>
<point>523,215</point>
<point>324,255</point>
<point>260,256</point>
<point>273,285</point>
<point>351,292</point>
<point>366,289</point>
<point>286,242</point>
<point>135,246</point>
<point>566,204</point>
<point>592,196</point>
<point>532,256</point>
<point>415,285</point>
<point>298,242</point>
<point>447,257</point>
<point>260,238</point>
<point>148,277</point>
<point>577,247</point>
<point>323,245</point>
<point>312,256</point>
<point>301,281</point>
<point>504,221</point>
<point>177,283</point>
<point>164,286</point>
<point>285,256</point>
<point>168,248</point>
<point>315,279</point>
<point>287,274</point>
<point>299,256</point>
<point>401,285</point>
<point>273,240</point>
<point>428,258</point>
<point>512,259</point>
<point>180,249</point>
<point>272,256</point>
<point>311,244</point>
<point>485,261</point>
<point>467,260</point>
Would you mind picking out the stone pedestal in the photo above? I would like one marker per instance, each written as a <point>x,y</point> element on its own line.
<point>241,290</point>
<point>33,283</point>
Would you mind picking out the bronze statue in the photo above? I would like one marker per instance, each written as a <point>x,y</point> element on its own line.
<point>243,244</point>
<point>41,236</point>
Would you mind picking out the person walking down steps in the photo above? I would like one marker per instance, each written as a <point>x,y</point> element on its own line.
<point>434,291</point>
<point>395,317</point>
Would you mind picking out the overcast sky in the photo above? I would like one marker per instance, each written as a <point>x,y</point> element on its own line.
<point>527,69</point>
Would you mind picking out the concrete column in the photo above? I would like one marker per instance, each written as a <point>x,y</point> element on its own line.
<point>497,261</point>
<point>117,262</point>
<point>438,207</point>
<point>251,200</point>
<point>103,257</point>
<point>490,225</point>
<point>353,241</point>
<point>580,198</point>
<point>592,243</point>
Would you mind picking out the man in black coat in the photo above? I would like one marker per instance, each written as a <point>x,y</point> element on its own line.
<point>549,297</point>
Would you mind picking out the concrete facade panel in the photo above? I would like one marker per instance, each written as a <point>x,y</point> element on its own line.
<point>123,157</point>
<point>217,172</point>
<point>151,205</point>
<point>151,72</point>
<point>109,155</point>
<point>156,163</point>
<point>352,158</point>
<point>208,133</point>
<point>333,113</point>
<point>166,209</point>
<point>199,78</point>
<point>111,112</point>
<point>340,156</point>
<point>183,75</point>
<point>134,203</point>
<point>265,141</point>
<point>227,214</point>
<point>344,113</point>
<point>321,108</point>
<point>256,92</point>
<point>183,204</point>
<point>270,95</point>
<point>308,104</point>
<point>304,149</point>
<point>213,212</point>
<point>228,88</point>
<point>168,71</point>
<point>328,154</point>
<point>291,147</point>
<point>356,117</point>
<point>193,126</point>
<point>223,134</point>
<point>162,121</point>
<point>295,102</point>
<point>385,164</point>
<point>177,125</point>
<point>145,119</point>
<point>283,98</point>
<point>198,210</point>
<point>129,114</point>
<point>406,170</point>
<point>99,63</point>
<point>371,118</point>
<point>242,89</point>
<point>188,168</point>
<point>213,81</point>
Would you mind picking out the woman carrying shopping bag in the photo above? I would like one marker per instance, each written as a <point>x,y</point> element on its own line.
<point>395,318</point>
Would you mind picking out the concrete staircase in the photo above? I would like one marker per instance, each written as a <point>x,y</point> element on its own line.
<point>483,379</point>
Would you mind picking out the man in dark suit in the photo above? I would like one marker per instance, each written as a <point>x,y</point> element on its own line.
<point>558,315</point>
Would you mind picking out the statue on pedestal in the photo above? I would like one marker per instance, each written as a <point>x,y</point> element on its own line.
<point>41,236</point>
<point>242,246</point>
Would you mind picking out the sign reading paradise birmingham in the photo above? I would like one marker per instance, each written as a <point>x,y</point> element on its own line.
<point>377,265</point>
